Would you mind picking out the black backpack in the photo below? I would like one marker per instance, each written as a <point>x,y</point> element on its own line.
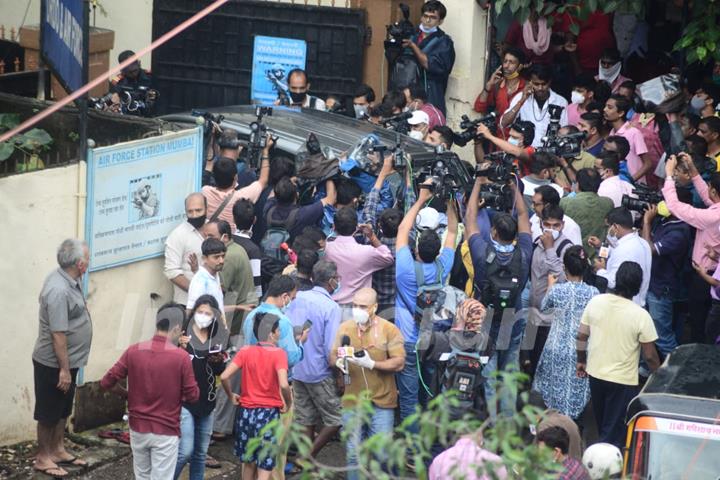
<point>501,286</point>
<point>277,233</point>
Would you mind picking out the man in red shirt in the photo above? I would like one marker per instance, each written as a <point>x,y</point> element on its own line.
<point>160,378</point>
<point>265,393</point>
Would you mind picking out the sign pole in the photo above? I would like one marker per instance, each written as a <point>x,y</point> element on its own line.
<point>83,101</point>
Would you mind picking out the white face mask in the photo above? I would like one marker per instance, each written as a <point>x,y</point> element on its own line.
<point>360,111</point>
<point>427,30</point>
<point>360,315</point>
<point>514,141</point>
<point>202,320</point>
<point>555,234</point>
<point>609,74</point>
<point>417,135</point>
<point>577,97</point>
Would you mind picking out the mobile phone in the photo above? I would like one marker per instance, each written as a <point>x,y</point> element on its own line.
<point>307,325</point>
<point>216,348</point>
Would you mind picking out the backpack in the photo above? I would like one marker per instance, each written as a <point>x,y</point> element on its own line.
<point>277,233</point>
<point>435,304</point>
<point>501,286</point>
<point>463,373</point>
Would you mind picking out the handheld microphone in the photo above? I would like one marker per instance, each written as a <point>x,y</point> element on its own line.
<point>345,342</point>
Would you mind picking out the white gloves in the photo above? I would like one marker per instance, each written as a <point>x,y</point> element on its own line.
<point>364,362</point>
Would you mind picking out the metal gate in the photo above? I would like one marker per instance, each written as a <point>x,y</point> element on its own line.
<point>210,64</point>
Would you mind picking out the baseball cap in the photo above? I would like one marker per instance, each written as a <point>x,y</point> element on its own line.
<point>427,219</point>
<point>419,117</point>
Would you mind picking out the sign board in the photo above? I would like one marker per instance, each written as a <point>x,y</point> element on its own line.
<point>64,40</point>
<point>683,428</point>
<point>273,58</point>
<point>136,195</point>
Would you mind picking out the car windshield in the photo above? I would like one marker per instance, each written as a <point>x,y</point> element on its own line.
<point>691,451</point>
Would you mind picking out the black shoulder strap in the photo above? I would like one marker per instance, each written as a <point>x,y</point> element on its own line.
<point>221,207</point>
<point>313,102</point>
<point>561,247</point>
<point>286,224</point>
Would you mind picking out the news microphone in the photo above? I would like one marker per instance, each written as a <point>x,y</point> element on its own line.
<point>345,342</point>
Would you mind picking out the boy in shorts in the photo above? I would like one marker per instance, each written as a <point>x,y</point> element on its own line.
<point>265,393</point>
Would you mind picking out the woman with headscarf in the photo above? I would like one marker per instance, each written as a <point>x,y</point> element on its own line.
<point>533,38</point>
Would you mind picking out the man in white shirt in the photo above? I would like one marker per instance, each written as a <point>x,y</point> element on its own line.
<point>534,103</point>
<point>299,85</point>
<point>625,246</point>
<point>612,186</point>
<point>207,279</point>
<point>183,247</point>
<point>547,195</point>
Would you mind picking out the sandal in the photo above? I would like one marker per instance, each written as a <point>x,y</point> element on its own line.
<point>48,471</point>
<point>211,462</point>
<point>73,461</point>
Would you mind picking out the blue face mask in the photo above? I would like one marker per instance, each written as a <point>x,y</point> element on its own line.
<point>500,248</point>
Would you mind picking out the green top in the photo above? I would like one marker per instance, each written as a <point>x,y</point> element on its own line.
<point>589,210</point>
<point>237,282</point>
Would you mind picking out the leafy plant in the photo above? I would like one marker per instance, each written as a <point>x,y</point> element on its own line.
<point>31,143</point>
<point>419,438</point>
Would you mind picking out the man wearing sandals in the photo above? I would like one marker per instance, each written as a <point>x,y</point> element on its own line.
<point>62,347</point>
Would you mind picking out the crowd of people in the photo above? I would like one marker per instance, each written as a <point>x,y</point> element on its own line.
<point>302,306</point>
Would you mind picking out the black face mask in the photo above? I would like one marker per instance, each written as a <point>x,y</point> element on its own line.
<point>298,98</point>
<point>197,222</point>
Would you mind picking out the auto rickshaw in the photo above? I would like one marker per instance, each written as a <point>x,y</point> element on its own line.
<point>674,423</point>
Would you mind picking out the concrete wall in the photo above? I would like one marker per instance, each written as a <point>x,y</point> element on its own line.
<point>38,211</point>
<point>466,23</point>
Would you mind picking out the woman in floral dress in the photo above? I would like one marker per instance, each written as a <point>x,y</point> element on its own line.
<point>555,377</point>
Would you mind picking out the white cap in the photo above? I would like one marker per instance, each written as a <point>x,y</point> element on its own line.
<point>418,117</point>
<point>427,219</point>
<point>602,460</point>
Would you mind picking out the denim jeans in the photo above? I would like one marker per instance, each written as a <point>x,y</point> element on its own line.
<point>411,391</point>
<point>504,360</point>
<point>661,311</point>
<point>194,441</point>
<point>381,422</point>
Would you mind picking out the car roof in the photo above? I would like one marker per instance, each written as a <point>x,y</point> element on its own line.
<point>293,126</point>
<point>687,384</point>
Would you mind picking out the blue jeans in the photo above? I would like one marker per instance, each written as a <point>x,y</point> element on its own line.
<point>661,311</point>
<point>411,391</point>
<point>194,441</point>
<point>381,421</point>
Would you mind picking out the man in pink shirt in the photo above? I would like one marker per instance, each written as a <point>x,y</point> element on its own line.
<point>355,262</point>
<point>417,99</point>
<point>638,160</point>
<point>468,460</point>
<point>612,186</point>
<point>707,238</point>
<point>221,197</point>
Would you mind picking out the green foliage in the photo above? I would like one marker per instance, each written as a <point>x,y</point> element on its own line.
<point>410,447</point>
<point>32,142</point>
<point>702,35</point>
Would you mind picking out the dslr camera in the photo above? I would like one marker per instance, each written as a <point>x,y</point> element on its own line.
<point>469,128</point>
<point>449,175</point>
<point>646,196</point>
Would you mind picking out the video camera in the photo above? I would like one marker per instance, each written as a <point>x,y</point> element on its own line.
<point>133,101</point>
<point>498,195</point>
<point>449,175</point>
<point>646,196</point>
<point>397,123</point>
<point>555,112</point>
<point>400,30</point>
<point>469,128</point>
<point>258,136</point>
<point>399,159</point>
<point>565,146</point>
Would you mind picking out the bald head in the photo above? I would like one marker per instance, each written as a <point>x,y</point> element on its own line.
<point>195,205</point>
<point>365,297</point>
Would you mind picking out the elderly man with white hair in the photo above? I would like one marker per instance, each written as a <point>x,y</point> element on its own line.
<point>61,348</point>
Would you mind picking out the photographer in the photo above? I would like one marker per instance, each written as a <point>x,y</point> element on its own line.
<point>520,136</point>
<point>299,86</point>
<point>569,166</point>
<point>507,255</point>
<point>592,124</point>
<point>434,52</point>
<point>135,81</point>
<point>538,109</point>
<point>669,240</point>
<point>707,238</point>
